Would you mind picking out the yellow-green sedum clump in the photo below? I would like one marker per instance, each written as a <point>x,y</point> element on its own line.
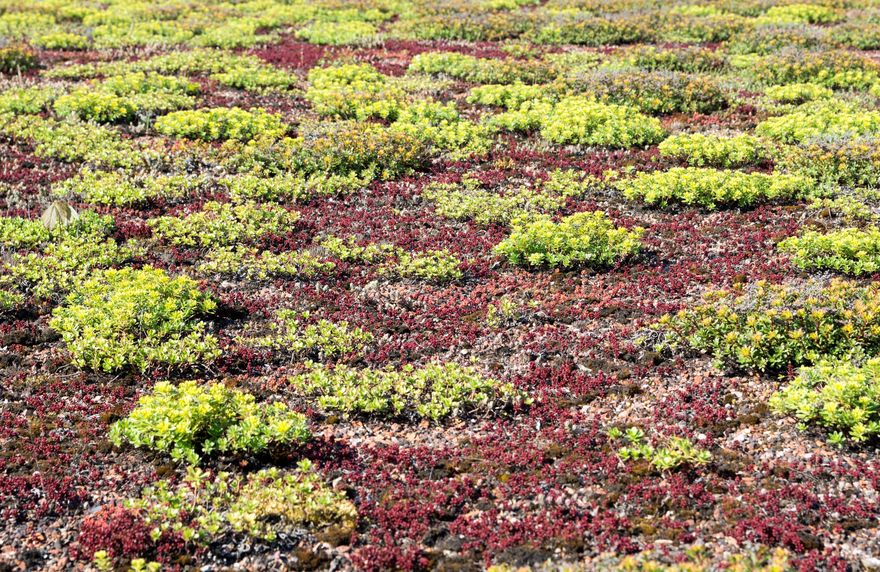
<point>224,224</point>
<point>700,150</point>
<point>190,421</point>
<point>220,123</point>
<point>837,395</point>
<point>249,263</point>
<point>848,251</point>
<point>583,121</point>
<point>830,118</point>
<point>290,333</point>
<point>713,189</point>
<point>582,239</point>
<point>770,327</point>
<point>433,391</point>
<point>138,318</point>
<point>262,505</point>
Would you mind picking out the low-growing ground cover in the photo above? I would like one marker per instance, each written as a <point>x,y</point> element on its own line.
<point>507,285</point>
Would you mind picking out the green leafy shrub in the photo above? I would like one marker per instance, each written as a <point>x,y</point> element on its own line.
<point>587,238</point>
<point>220,224</point>
<point>65,263</point>
<point>712,189</point>
<point>117,189</point>
<point>26,100</point>
<point>9,299</point>
<point>322,339</point>
<point>593,30</point>
<point>654,92</point>
<point>251,264</point>
<point>76,141</point>
<point>191,420</point>
<point>583,121</point>
<point>353,91</point>
<point>703,28</point>
<point>262,505</point>
<point>769,327</point>
<point>431,266</point>
<point>510,96</point>
<point>837,395</point>
<point>339,33</point>
<point>820,119</point>
<point>18,232</point>
<point>481,70</point>
<point>801,13</point>
<point>833,161</point>
<point>441,125</point>
<point>254,76</point>
<point>676,453</point>
<point>17,59</point>
<point>433,391</point>
<point>135,317</point>
<point>694,59</point>
<point>798,93</point>
<point>220,123</point>
<point>859,35</point>
<point>348,250</point>
<point>61,41</point>
<point>848,251</point>
<point>701,150</point>
<point>95,106</point>
<point>833,69</point>
<point>293,186</point>
<point>335,148</point>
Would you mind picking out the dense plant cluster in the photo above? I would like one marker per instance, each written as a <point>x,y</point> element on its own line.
<point>190,420</point>
<point>769,327</point>
<point>587,238</point>
<point>136,318</point>
<point>701,150</point>
<point>711,189</point>
<point>848,251</point>
<point>840,396</point>
<point>434,391</point>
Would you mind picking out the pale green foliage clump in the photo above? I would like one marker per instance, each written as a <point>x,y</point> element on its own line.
<point>430,266</point>
<point>339,33</point>
<point>139,318</point>
<point>262,504</point>
<point>293,186</point>
<point>712,189</point>
<point>348,250</point>
<point>221,123</point>
<point>18,232</point>
<point>582,239</point>
<point>676,453</point>
<point>798,92</point>
<point>353,91</point>
<point>433,391</point>
<point>701,150</point>
<point>26,100</point>
<point>583,121</point>
<point>769,327</point>
<point>190,420</point>
<point>289,332</point>
<point>118,189</point>
<point>820,119</point>
<point>252,264</point>
<point>444,129</point>
<point>222,224</point>
<point>837,395</point>
<point>848,251</point>
<point>510,96</point>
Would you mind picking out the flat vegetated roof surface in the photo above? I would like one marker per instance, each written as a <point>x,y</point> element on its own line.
<point>461,285</point>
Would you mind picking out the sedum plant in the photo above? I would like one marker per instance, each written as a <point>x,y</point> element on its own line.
<point>224,224</point>
<point>677,452</point>
<point>582,239</point>
<point>433,391</point>
<point>290,333</point>
<point>137,318</point>
<point>830,118</point>
<point>262,505</point>
<point>583,121</point>
<point>712,189</point>
<point>839,396</point>
<point>700,150</point>
<point>252,264</point>
<point>191,420</point>
<point>117,189</point>
<point>848,251</point>
<point>220,123</point>
<point>430,266</point>
<point>768,327</point>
